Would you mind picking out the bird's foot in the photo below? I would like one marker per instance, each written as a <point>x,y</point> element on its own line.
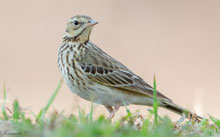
<point>112,111</point>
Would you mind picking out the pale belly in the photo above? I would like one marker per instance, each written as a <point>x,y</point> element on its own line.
<point>109,96</point>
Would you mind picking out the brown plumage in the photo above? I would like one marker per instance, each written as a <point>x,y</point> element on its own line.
<point>95,76</point>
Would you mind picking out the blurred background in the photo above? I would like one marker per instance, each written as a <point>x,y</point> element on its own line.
<point>176,40</point>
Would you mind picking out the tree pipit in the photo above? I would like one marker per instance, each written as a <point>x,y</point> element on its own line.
<point>94,75</point>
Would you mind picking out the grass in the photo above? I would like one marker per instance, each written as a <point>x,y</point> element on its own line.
<point>155,106</point>
<point>44,110</point>
<point>15,123</point>
<point>3,104</point>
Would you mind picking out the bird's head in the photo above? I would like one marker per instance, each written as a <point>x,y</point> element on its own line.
<point>79,28</point>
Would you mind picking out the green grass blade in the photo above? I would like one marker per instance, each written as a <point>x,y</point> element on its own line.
<point>127,110</point>
<point>155,106</point>
<point>80,113</point>
<point>44,110</point>
<point>215,120</point>
<point>91,113</point>
<point>4,113</point>
<point>16,111</point>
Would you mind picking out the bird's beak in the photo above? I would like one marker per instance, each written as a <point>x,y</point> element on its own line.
<point>92,23</point>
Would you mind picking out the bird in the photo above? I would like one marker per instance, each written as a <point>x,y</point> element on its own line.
<point>94,75</point>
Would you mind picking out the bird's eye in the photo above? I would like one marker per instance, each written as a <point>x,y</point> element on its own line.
<point>75,22</point>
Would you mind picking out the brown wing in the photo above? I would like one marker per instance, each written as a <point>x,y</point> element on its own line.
<point>103,69</point>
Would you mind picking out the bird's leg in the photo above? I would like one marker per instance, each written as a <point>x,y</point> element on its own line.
<point>112,111</point>
<point>109,108</point>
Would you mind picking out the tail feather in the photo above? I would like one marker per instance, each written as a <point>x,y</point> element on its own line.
<point>179,110</point>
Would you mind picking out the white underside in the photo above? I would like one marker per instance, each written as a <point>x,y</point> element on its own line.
<point>109,96</point>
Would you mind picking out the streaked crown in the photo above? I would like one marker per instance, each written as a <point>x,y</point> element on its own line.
<point>79,27</point>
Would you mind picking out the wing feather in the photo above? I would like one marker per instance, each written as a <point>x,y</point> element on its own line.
<point>105,70</point>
